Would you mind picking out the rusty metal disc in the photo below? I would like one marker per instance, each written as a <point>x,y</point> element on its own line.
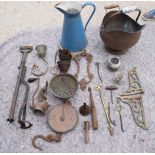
<point>70,118</point>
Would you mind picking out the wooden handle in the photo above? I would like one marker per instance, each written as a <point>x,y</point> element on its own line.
<point>111,6</point>
<point>94,118</point>
<point>93,111</point>
<point>86,131</point>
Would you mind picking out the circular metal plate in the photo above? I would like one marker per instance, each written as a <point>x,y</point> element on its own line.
<point>70,118</point>
<point>64,85</point>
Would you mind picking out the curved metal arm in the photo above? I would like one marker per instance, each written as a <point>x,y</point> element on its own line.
<point>131,9</point>
<point>94,9</point>
<point>22,111</point>
<point>41,72</point>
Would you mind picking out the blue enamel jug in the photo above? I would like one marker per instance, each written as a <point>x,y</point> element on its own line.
<point>73,37</point>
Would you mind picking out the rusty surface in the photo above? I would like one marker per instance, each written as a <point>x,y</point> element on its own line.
<point>85,110</point>
<point>63,66</point>
<point>89,58</point>
<point>21,80</point>
<point>69,120</point>
<point>119,32</point>
<point>48,138</point>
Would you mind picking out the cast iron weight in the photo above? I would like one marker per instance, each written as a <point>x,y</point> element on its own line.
<point>111,88</point>
<point>85,110</point>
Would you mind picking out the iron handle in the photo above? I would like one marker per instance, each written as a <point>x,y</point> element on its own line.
<point>94,9</point>
<point>131,9</point>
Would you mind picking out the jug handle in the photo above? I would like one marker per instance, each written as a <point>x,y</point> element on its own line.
<point>94,9</point>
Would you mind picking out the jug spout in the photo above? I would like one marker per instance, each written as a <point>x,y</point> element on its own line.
<point>68,7</point>
<point>58,7</point>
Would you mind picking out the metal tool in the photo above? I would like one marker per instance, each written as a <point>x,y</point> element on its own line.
<point>86,131</point>
<point>133,99</point>
<point>41,94</point>
<point>41,106</point>
<point>64,60</point>
<point>63,86</point>
<point>41,51</point>
<point>93,111</point>
<point>119,109</point>
<point>85,110</point>
<point>135,86</point>
<point>48,138</point>
<point>106,110</point>
<point>136,105</point>
<point>111,88</point>
<point>89,57</point>
<point>20,79</point>
<point>113,64</point>
<point>98,71</point>
<point>63,118</point>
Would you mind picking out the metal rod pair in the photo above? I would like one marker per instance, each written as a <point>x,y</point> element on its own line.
<point>21,80</point>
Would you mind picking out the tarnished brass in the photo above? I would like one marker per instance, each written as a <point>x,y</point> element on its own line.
<point>135,86</point>
<point>63,85</point>
<point>41,51</point>
<point>106,110</point>
<point>136,106</point>
<point>133,98</point>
